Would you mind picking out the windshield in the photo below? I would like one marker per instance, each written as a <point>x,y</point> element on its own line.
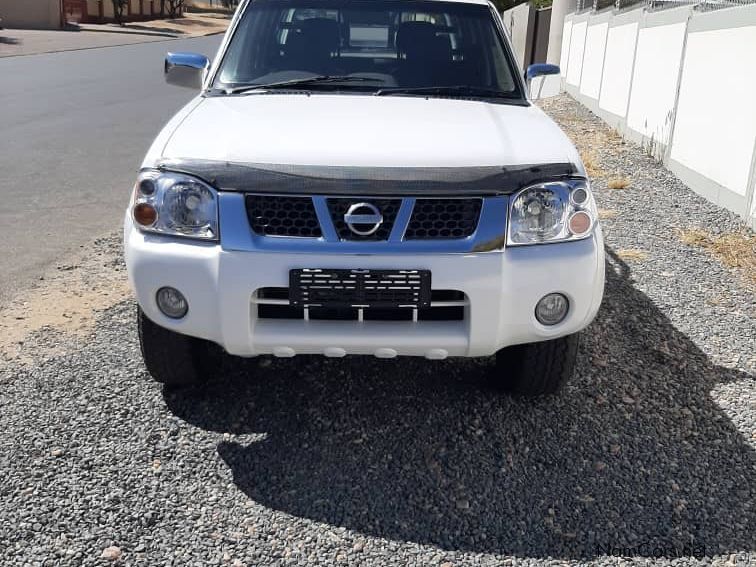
<point>388,44</point>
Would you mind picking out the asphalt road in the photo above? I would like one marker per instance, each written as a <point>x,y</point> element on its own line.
<point>75,126</point>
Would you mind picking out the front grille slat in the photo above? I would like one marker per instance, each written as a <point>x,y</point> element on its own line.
<point>273,215</point>
<point>434,219</point>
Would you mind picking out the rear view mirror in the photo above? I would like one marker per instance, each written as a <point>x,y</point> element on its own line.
<point>186,69</point>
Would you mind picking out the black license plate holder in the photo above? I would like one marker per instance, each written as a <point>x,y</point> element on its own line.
<point>359,288</point>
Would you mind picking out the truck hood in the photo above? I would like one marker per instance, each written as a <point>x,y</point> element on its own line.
<point>362,131</point>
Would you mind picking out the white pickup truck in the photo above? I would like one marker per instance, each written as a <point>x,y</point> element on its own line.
<point>363,177</point>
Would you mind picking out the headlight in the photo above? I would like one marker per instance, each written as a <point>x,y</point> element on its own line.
<point>175,204</point>
<point>551,212</point>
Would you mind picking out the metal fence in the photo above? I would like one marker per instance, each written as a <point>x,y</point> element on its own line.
<point>702,5</point>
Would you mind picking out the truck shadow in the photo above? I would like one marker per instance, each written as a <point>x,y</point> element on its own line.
<point>633,456</point>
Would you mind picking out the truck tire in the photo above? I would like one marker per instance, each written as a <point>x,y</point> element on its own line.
<point>539,368</point>
<point>172,359</point>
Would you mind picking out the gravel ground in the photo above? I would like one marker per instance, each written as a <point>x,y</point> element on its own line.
<point>648,453</point>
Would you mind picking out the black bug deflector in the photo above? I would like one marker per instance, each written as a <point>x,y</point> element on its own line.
<point>338,180</point>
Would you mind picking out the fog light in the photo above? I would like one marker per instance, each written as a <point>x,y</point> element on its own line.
<point>172,302</point>
<point>552,309</point>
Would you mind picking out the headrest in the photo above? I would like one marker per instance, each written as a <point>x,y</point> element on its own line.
<point>317,33</point>
<point>420,40</point>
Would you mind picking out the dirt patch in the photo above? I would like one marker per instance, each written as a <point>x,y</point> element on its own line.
<point>632,255</point>
<point>67,299</point>
<point>618,183</point>
<point>591,163</point>
<point>733,249</point>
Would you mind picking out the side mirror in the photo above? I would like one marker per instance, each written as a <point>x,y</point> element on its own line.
<point>186,69</point>
<point>539,69</point>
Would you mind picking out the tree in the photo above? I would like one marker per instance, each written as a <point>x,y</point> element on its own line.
<point>118,7</point>
<point>174,7</point>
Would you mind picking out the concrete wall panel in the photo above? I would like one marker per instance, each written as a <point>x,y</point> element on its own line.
<point>565,51</point>
<point>618,68</point>
<point>715,126</point>
<point>519,22</point>
<point>577,49</point>
<point>654,82</point>
<point>593,59</point>
<point>559,11</point>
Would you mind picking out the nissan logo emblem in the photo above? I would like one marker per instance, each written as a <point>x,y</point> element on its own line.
<point>363,219</point>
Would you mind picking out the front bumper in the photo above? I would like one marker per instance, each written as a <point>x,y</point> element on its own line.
<point>502,288</point>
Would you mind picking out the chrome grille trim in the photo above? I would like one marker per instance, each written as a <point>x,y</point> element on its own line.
<point>487,235</point>
<point>425,218</point>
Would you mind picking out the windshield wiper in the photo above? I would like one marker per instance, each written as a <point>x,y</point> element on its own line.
<point>454,90</point>
<point>317,79</point>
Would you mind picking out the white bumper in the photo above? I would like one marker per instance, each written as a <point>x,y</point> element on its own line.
<point>502,289</point>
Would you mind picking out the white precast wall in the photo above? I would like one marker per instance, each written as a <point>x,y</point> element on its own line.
<point>519,22</point>
<point>566,38</point>
<point>679,82</point>
<point>718,143</point>
<point>618,68</point>
<point>593,59</point>
<point>654,82</point>
<point>575,56</point>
